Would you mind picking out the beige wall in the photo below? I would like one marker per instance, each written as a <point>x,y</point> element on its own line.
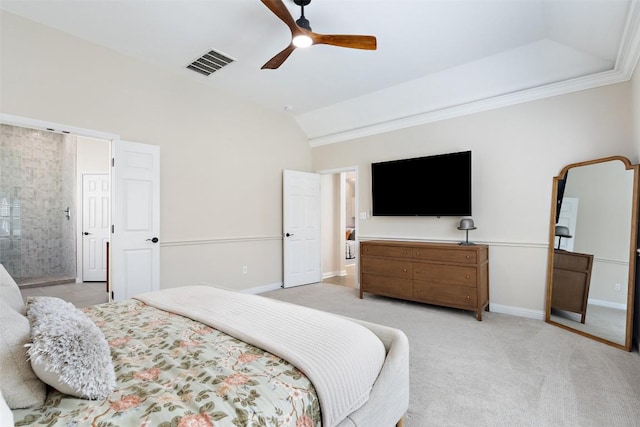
<point>93,155</point>
<point>221,157</point>
<point>516,152</point>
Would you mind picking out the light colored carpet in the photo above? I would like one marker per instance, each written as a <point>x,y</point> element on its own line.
<point>503,371</point>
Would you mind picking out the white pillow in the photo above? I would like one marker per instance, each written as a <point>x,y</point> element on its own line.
<point>20,386</point>
<point>69,352</point>
<point>6,416</point>
<point>10,292</point>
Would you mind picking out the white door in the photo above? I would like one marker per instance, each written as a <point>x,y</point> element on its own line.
<point>568,217</point>
<point>96,193</point>
<point>301,227</point>
<point>135,248</point>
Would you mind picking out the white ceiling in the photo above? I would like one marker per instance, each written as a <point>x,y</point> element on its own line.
<point>435,58</point>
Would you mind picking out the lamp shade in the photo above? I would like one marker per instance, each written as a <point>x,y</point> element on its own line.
<point>563,231</point>
<point>466,224</point>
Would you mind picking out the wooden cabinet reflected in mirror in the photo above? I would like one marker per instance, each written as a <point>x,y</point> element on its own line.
<point>592,250</point>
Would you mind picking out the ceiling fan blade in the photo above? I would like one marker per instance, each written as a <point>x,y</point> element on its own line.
<point>281,11</point>
<point>342,40</point>
<point>277,60</point>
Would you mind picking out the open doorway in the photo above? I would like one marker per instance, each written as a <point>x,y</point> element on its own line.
<point>339,227</point>
<point>41,202</point>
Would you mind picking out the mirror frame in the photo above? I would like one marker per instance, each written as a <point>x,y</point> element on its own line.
<point>633,247</point>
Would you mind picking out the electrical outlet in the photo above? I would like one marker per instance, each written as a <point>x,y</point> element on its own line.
<point>245,269</point>
<point>617,286</point>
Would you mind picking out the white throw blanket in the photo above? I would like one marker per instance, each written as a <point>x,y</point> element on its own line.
<point>341,358</point>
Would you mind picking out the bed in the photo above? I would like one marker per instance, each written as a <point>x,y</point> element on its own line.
<point>202,356</point>
<point>350,243</point>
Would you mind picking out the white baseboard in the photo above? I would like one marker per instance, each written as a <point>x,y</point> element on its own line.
<point>516,311</point>
<point>602,303</point>
<point>334,274</point>
<point>263,288</point>
<point>256,290</point>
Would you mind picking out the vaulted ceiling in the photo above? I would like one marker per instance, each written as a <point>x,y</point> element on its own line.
<point>435,58</point>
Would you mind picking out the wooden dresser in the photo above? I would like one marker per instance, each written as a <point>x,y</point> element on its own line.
<point>444,274</point>
<point>571,279</point>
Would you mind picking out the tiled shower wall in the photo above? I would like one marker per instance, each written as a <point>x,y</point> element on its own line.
<point>37,184</point>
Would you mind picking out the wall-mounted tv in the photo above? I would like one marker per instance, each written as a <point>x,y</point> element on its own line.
<point>437,185</point>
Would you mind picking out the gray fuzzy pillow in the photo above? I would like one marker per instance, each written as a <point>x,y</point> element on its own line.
<point>69,352</point>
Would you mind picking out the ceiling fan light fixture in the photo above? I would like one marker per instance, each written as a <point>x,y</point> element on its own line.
<point>302,41</point>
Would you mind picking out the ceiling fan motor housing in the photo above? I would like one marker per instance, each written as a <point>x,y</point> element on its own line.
<point>303,22</point>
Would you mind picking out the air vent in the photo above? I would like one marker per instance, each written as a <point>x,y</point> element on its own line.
<point>210,62</point>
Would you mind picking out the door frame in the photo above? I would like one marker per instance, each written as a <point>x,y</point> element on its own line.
<point>356,170</point>
<point>43,125</point>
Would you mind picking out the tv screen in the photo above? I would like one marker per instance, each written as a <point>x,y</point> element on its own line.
<point>425,186</point>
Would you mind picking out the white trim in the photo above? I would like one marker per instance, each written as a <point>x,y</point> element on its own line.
<point>611,261</point>
<point>254,290</point>
<point>330,274</point>
<point>517,311</point>
<point>263,288</point>
<point>629,52</point>
<point>609,304</point>
<point>26,122</point>
<point>505,100</point>
<point>193,242</point>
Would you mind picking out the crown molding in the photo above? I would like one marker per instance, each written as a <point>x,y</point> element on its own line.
<point>626,62</point>
<point>547,91</point>
<point>629,52</point>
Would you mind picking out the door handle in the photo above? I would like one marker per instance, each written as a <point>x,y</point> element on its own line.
<point>154,240</point>
<point>86,233</point>
<point>289,235</point>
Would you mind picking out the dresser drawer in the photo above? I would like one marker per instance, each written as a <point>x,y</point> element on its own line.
<point>387,267</point>
<point>387,251</point>
<point>572,261</point>
<point>457,275</point>
<point>391,286</point>
<point>443,294</point>
<point>446,255</point>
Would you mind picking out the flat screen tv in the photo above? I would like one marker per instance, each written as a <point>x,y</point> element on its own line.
<point>437,185</point>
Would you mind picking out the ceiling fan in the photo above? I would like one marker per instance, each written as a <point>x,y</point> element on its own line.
<point>302,36</point>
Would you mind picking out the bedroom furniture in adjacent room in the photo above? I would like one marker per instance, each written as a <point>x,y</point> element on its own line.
<point>444,274</point>
<point>600,270</point>
<point>350,243</point>
<point>572,276</point>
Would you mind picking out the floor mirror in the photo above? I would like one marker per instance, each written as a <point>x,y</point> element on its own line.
<point>593,239</point>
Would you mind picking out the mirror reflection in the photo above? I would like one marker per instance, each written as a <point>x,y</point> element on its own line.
<point>594,217</point>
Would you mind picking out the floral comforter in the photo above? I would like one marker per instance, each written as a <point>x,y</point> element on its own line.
<point>175,372</point>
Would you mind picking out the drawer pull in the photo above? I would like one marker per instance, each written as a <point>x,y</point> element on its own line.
<point>468,277</point>
<point>418,253</point>
<point>468,297</point>
<point>468,256</point>
<point>404,270</point>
